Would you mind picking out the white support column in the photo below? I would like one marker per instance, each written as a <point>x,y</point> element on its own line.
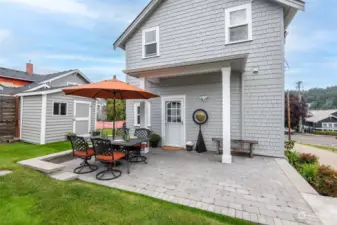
<point>226,115</point>
<point>144,108</point>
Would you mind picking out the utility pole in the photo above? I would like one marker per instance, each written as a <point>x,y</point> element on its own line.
<point>298,87</point>
<point>289,118</point>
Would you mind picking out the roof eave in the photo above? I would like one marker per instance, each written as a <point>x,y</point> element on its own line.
<point>296,4</point>
<point>120,42</point>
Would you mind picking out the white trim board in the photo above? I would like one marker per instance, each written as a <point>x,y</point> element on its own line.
<point>43,120</point>
<point>38,87</point>
<point>21,115</point>
<point>183,116</point>
<point>40,92</point>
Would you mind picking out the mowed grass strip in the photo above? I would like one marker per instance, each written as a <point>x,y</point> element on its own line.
<point>29,197</point>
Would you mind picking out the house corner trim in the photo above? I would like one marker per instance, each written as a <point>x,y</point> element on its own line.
<point>43,119</point>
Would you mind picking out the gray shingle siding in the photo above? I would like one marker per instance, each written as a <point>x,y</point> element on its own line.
<point>193,87</point>
<point>74,78</point>
<point>58,126</point>
<point>31,119</point>
<point>196,30</point>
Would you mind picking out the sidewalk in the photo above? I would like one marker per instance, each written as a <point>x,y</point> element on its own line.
<point>325,157</point>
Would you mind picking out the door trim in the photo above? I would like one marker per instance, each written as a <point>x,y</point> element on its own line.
<point>81,118</point>
<point>181,98</point>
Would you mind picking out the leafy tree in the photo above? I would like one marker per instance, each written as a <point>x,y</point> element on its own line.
<point>120,109</point>
<point>297,109</point>
<point>322,98</point>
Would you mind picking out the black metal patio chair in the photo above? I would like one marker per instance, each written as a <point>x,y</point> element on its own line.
<point>82,150</point>
<point>107,153</point>
<point>136,156</point>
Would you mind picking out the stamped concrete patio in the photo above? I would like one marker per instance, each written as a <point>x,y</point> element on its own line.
<point>252,189</point>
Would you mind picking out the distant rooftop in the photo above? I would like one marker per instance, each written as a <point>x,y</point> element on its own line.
<point>318,115</point>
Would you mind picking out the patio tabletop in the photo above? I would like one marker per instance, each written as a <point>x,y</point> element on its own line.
<point>129,143</point>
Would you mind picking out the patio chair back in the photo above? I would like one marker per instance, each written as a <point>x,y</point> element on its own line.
<point>143,133</point>
<point>103,147</point>
<point>79,144</point>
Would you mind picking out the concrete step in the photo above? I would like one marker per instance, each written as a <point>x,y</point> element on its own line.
<point>64,176</point>
<point>43,166</point>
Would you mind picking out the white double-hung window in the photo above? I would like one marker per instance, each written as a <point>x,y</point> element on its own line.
<point>238,24</point>
<point>151,42</point>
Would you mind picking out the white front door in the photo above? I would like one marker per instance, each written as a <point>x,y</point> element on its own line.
<point>173,118</point>
<point>82,115</point>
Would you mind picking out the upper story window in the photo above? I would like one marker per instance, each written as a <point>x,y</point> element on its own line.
<point>151,42</point>
<point>238,23</point>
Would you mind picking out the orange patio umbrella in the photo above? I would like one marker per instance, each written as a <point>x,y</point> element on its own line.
<point>110,89</point>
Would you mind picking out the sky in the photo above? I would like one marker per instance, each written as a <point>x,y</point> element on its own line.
<point>79,34</point>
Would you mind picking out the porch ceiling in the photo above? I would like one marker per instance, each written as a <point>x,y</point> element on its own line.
<point>237,63</point>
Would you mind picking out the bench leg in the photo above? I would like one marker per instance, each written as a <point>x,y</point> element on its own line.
<point>218,147</point>
<point>251,154</point>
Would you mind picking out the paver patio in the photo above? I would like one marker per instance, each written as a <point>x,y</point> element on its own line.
<point>253,189</point>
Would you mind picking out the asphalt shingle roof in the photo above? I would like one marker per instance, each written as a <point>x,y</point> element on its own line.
<point>19,75</point>
<point>318,115</point>
<point>36,79</point>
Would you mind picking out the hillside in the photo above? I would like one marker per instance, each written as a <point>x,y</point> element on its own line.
<point>321,98</point>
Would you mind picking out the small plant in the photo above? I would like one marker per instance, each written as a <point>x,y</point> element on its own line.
<point>293,157</point>
<point>309,171</point>
<point>71,134</point>
<point>289,145</point>
<point>155,138</point>
<point>326,181</point>
<point>307,158</point>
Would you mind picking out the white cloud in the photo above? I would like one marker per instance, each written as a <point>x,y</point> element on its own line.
<point>72,7</point>
<point>77,57</point>
<point>298,41</point>
<point>4,35</point>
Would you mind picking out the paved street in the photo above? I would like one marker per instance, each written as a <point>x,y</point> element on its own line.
<point>329,141</point>
<point>325,157</point>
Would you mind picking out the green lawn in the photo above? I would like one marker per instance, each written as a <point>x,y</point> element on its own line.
<point>29,197</point>
<point>331,149</point>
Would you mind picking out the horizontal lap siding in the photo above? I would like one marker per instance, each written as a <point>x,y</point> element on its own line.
<point>57,127</point>
<point>195,30</point>
<point>31,119</point>
<point>193,87</point>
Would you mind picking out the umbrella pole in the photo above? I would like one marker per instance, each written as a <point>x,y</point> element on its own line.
<point>114,122</point>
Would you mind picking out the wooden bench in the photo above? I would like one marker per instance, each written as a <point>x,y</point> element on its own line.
<point>236,141</point>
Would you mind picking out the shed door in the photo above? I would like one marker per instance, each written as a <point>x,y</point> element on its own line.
<point>82,115</point>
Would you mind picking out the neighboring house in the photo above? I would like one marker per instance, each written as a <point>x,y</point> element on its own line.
<point>224,56</point>
<point>16,78</point>
<point>322,119</point>
<point>46,114</point>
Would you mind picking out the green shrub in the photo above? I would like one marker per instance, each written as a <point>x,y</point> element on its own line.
<point>320,132</point>
<point>326,181</point>
<point>309,171</point>
<point>293,157</point>
<point>289,145</point>
<point>307,158</point>
<point>155,138</point>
